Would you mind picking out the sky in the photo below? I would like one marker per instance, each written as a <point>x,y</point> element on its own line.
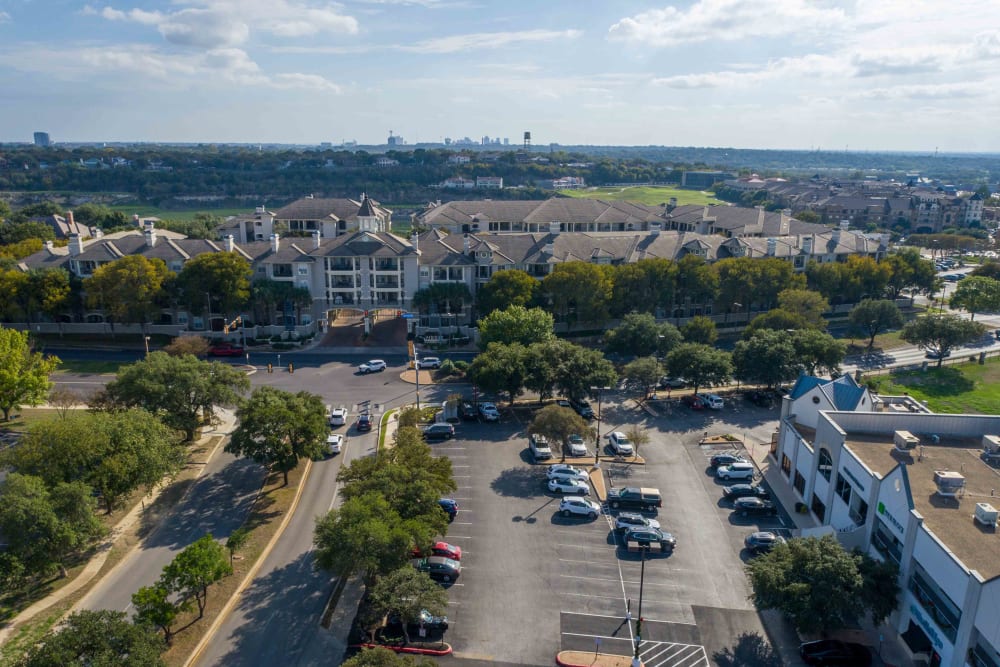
<point>791,74</point>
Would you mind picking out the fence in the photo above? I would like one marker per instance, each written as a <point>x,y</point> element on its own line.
<point>975,357</point>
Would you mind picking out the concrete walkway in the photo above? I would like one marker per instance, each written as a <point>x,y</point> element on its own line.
<point>778,483</point>
<point>227,422</point>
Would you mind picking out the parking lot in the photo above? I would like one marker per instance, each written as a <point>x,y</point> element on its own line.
<point>534,582</point>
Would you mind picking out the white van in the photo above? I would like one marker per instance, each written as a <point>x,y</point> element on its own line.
<point>712,401</point>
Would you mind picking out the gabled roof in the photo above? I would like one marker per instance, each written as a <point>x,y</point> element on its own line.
<point>843,393</point>
<point>309,208</point>
<point>804,384</point>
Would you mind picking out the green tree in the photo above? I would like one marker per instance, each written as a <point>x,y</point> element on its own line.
<point>808,216</point>
<point>45,291</point>
<point>515,324</point>
<point>380,656</point>
<point>817,351</point>
<point>97,639</point>
<point>816,584</point>
<point>805,302</point>
<point>512,287</point>
<point>988,269</point>
<point>24,375</point>
<point>697,281</point>
<point>236,541</point>
<point>14,285</point>
<point>580,368</point>
<point>179,390</point>
<point>201,564</point>
<point>700,364</point>
<point>643,286</point>
<point>277,428</point>
<point>908,270</point>
<point>977,294</point>
<point>557,423</point>
<point>940,334</point>
<point>777,319</point>
<point>153,606</point>
<point>500,368</point>
<point>644,371</point>
<point>639,334</point>
<point>442,298</point>
<point>863,277</point>
<point>406,592</point>
<point>767,357</point>
<point>700,329</point>
<point>220,276</point>
<point>578,292</point>
<point>540,364</point>
<point>182,345</point>
<point>127,289</point>
<point>873,316</point>
<point>12,232</point>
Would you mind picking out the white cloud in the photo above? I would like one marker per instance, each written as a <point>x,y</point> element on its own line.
<point>812,66</point>
<point>927,92</point>
<point>4,17</point>
<point>488,40</point>
<point>726,20</point>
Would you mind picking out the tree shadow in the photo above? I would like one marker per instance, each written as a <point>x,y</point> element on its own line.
<point>520,482</point>
<point>751,650</point>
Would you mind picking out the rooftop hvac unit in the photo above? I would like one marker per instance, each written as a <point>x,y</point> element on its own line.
<point>905,440</point>
<point>986,514</point>
<point>991,445</point>
<point>948,483</point>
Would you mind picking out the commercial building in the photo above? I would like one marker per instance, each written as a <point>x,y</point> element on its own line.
<point>42,139</point>
<point>889,477</point>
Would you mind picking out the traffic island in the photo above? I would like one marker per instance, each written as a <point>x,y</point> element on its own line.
<point>410,376</point>
<point>588,659</point>
<point>413,648</point>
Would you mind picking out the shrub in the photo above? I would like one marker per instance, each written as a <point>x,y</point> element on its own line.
<point>447,367</point>
<point>462,365</point>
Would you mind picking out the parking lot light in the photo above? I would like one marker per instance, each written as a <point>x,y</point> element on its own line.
<point>597,444</point>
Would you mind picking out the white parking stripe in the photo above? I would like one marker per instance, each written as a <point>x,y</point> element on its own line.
<point>588,595</point>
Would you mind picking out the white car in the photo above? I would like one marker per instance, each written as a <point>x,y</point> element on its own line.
<point>334,443</point>
<point>563,471</point>
<point>429,362</point>
<point>575,445</point>
<point>574,486</point>
<point>737,470</point>
<point>338,416</point>
<point>372,366</point>
<point>580,507</point>
<point>489,412</point>
<point>713,401</point>
<point>620,444</point>
<point>628,520</point>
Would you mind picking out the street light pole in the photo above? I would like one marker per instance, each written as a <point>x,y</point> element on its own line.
<point>597,445</point>
<point>636,662</point>
<point>146,338</point>
<point>416,365</point>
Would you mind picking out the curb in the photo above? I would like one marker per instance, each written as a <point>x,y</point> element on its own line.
<point>409,649</point>
<point>251,574</point>
<point>604,658</point>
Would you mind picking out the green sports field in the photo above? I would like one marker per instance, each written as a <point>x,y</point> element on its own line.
<point>180,216</point>
<point>651,195</point>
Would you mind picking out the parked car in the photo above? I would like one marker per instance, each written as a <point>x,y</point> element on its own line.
<point>649,537</point>
<point>692,402</point>
<point>563,471</point>
<point>667,382</point>
<point>726,458</point>
<point>712,401</point>
<point>835,652</point>
<point>468,412</point>
<point>224,349</point>
<point>762,541</point>
<point>628,520</point>
<point>583,409</point>
<point>338,416</point>
<point>754,507</point>
<point>439,549</point>
<point>567,485</point>
<point>364,422</point>
<point>449,507</point>
<point>620,444</point>
<point>425,621</point>
<point>736,470</point>
<point>439,568</point>
<point>737,491</point>
<point>539,446</point>
<point>563,403</point>
<point>758,397</point>
<point>580,507</point>
<point>935,354</point>
<point>489,412</point>
<point>575,446</point>
<point>372,366</point>
<point>428,362</point>
<point>645,499</point>
<point>439,431</point>
<point>334,444</point>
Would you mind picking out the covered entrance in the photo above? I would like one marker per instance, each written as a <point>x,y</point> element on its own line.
<point>356,327</point>
<point>920,646</point>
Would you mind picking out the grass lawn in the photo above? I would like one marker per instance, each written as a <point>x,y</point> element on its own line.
<point>956,389</point>
<point>883,342</point>
<point>90,366</point>
<point>651,195</point>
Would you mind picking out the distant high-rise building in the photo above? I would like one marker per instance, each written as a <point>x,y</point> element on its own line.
<point>395,140</point>
<point>42,139</point>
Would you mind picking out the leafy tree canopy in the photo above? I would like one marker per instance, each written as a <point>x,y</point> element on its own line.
<point>515,324</point>
<point>700,364</point>
<point>507,288</point>
<point>810,305</point>
<point>193,570</point>
<point>24,375</point>
<point>221,277</point>
<point>641,335</point>
<point>97,639</point>
<point>406,592</point>
<point>941,333</point>
<point>977,294</point>
<point>700,329</point>
<point>873,316</point>
<point>643,286</point>
<point>500,368</point>
<point>558,423</point>
<point>644,371</point>
<point>578,292</point>
<point>767,357</point>
<point>127,289</point>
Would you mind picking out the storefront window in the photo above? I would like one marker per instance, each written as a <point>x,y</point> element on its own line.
<point>825,463</point>
<point>944,612</point>
<point>886,543</point>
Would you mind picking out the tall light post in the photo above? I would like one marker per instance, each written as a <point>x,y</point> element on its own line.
<point>416,366</point>
<point>146,338</point>
<point>597,445</point>
<point>208,312</point>
<point>636,662</point>
<point>736,305</point>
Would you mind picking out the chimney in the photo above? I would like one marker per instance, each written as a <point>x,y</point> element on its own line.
<point>49,245</point>
<point>466,245</point>
<point>317,239</point>
<point>549,248</point>
<point>150,234</point>
<point>275,242</point>
<point>554,227</point>
<point>98,233</point>
<point>787,212</point>
<point>783,225</point>
<point>230,243</point>
<point>845,225</point>
<point>654,228</point>
<point>415,240</point>
<point>772,247</point>
<point>135,219</point>
<point>70,222</point>
<point>835,237</point>
<point>807,244</point>
<point>75,245</point>
<point>760,216</point>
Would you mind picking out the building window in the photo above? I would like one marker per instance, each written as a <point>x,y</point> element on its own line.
<point>341,264</point>
<point>424,272</point>
<point>983,655</point>
<point>843,489</point>
<point>800,483</point>
<point>281,270</point>
<point>859,510</point>
<point>934,601</point>
<point>786,465</point>
<point>303,270</point>
<point>440,273</point>
<point>825,463</point>
<point>456,274</point>
<point>819,508</point>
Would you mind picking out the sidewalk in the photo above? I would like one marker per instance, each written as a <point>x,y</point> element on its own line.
<point>226,425</point>
<point>778,483</point>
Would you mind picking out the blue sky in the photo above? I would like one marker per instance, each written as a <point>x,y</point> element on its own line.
<point>857,74</point>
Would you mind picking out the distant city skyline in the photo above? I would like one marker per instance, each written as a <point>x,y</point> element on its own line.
<point>858,75</point>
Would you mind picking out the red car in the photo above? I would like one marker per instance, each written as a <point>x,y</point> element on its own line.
<point>440,549</point>
<point>226,350</point>
<point>693,402</point>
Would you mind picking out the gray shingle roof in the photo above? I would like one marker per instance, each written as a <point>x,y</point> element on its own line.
<point>319,209</point>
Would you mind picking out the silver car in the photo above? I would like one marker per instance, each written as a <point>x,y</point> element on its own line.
<point>575,446</point>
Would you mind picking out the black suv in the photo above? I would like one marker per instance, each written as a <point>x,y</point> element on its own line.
<point>583,409</point>
<point>468,412</point>
<point>632,497</point>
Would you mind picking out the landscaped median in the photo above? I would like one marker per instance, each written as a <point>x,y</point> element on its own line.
<point>588,659</point>
<point>443,648</point>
